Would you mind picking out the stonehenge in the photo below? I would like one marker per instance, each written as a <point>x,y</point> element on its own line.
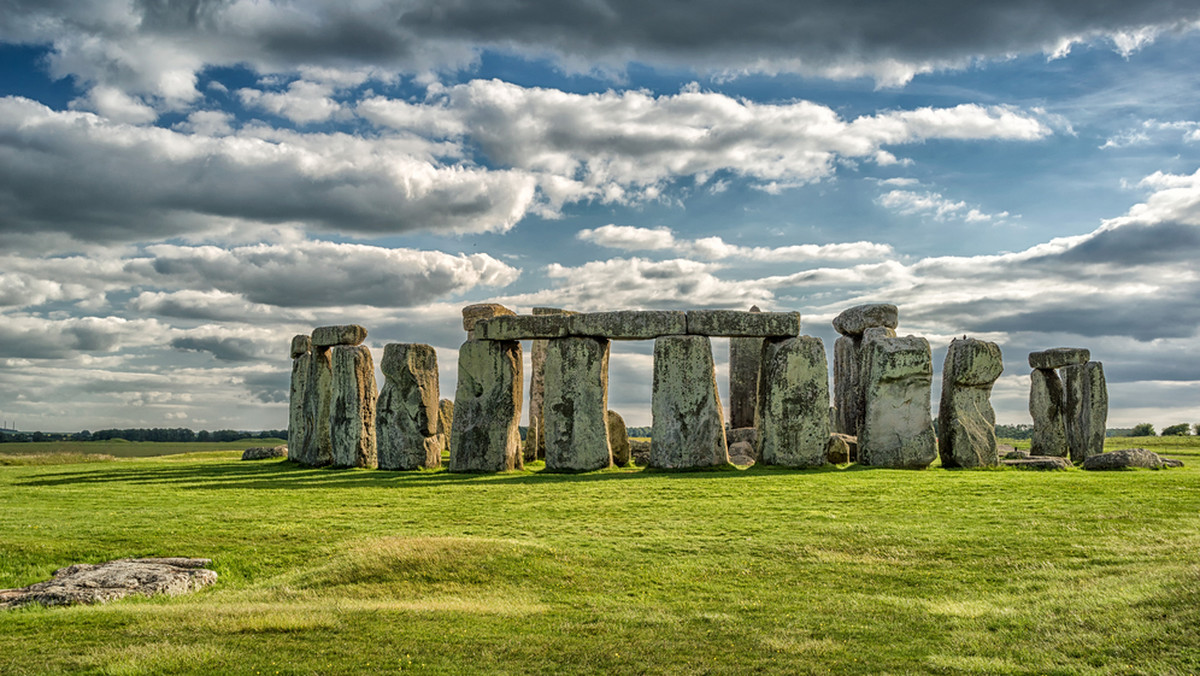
<point>779,406</point>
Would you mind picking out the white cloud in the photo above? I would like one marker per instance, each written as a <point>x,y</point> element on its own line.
<point>935,206</point>
<point>630,238</point>
<point>303,103</point>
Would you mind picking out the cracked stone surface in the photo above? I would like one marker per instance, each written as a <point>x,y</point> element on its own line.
<point>112,580</point>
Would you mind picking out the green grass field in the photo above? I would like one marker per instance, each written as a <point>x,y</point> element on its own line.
<point>846,570</point>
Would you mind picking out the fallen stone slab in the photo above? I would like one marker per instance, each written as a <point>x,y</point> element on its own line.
<point>742,324</point>
<point>112,580</point>
<point>328,336</point>
<point>1058,357</point>
<point>1038,462</point>
<point>854,321</point>
<point>1127,458</point>
<point>265,452</point>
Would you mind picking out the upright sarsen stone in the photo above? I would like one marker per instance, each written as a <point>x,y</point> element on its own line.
<point>484,436</point>
<point>535,444</point>
<point>793,419</point>
<point>1046,409</point>
<point>618,438</point>
<point>352,407</point>
<point>406,417</point>
<point>745,355</point>
<point>688,429</point>
<point>301,363</point>
<point>966,420</point>
<point>847,391</point>
<point>576,404</point>
<point>897,430</point>
<point>1086,409</point>
<point>317,447</point>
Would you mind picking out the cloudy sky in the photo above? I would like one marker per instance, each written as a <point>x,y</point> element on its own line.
<point>184,185</point>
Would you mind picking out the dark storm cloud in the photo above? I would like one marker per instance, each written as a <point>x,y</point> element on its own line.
<point>1137,244</point>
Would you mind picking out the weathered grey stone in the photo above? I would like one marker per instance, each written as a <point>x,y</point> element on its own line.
<point>847,390</point>
<point>793,415</point>
<point>1007,452</point>
<point>297,395</point>
<point>1085,409</point>
<point>966,420</point>
<point>736,323</point>
<point>841,449</point>
<point>264,452</point>
<point>687,430</point>
<point>1046,409</point>
<point>406,417</point>
<point>576,405</point>
<point>745,359</point>
<point>472,314</point>
<point>747,434</point>
<point>741,453</point>
<point>523,327</point>
<point>639,452</point>
<point>897,430</point>
<point>487,408</point>
<point>112,580</point>
<point>301,345</point>
<point>854,321</point>
<point>1129,458</point>
<point>535,441</point>
<point>1038,462</point>
<point>316,447</point>
<point>1059,357</point>
<point>618,438</point>
<point>445,416</point>
<point>352,407</point>
<point>348,334</point>
<point>629,324</point>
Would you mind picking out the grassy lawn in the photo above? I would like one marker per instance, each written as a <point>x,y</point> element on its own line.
<point>54,452</point>
<point>845,570</point>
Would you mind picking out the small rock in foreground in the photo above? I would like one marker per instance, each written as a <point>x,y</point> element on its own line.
<point>103,582</point>
<point>264,452</point>
<point>1129,457</point>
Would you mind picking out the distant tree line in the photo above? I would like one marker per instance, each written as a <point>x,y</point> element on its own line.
<point>1147,430</point>
<point>178,434</point>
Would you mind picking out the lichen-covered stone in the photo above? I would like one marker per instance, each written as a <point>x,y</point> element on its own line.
<point>484,436</point>
<point>793,416</point>
<point>745,358</point>
<point>112,580</point>
<point>301,345</point>
<point>574,415</point>
<point>847,390</point>
<point>629,324</point>
<point>1038,462</point>
<point>1085,409</point>
<point>688,429</point>
<point>1046,409</point>
<point>348,334</point>
<point>297,395</point>
<point>472,314</point>
<point>535,439</point>
<point>316,448</point>
<point>897,430</point>
<point>523,327</point>
<point>1059,357</point>
<point>406,417</point>
<point>445,416</point>
<point>352,407</point>
<point>736,323</point>
<point>618,439</point>
<point>265,452</point>
<point>1127,458</point>
<point>854,321</point>
<point>966,420</point>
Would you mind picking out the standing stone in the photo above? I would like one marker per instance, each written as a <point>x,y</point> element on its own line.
<point>406,418</point>
<point>688,429</point>
<point>793,420</point>
<point>744,364</point>
<point>576,404</point>
<point>301,364</point>
<point>352,407</point>
<point>535,438</point>
<point>966,420</point>
<point>1046,409</point>
<point>849,397</point>
<point>317,447</point>
<point>472,314</point>
<point>445,421</point>
<point>485,436</point>
<point>856,320</point>
<point>618,439</point>
<point>897,430</point>
<point>1086,409</point>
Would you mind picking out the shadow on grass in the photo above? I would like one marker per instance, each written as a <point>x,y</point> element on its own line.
<point>289,475</point>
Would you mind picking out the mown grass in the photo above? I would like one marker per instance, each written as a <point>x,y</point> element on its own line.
<point>120,448</point>
<point>622,571</point>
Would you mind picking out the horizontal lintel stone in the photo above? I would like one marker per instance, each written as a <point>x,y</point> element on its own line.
<point>617,325</point>
<point>1059,357</point>
<point>348,334</point>
<point>738,323</point>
